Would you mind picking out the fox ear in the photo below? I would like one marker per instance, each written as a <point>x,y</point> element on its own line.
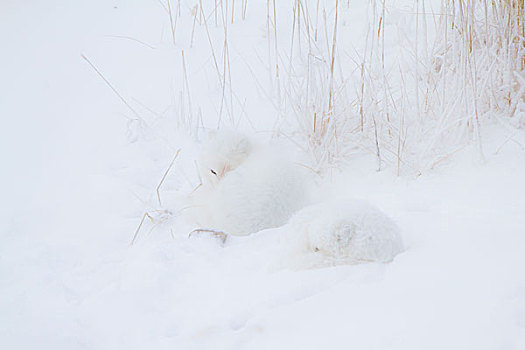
<point>211,134</point>
<point>244,146</point>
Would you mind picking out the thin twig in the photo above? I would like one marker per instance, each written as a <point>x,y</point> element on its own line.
<point>132,39</point>
<point>138,228</point>
<point>165,174</point>
<point>220,234</point>
<point>111,86</point>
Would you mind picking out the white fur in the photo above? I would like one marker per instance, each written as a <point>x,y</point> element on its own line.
<point>255,188</point>
<point>341,232</point>
<point>224,151</point>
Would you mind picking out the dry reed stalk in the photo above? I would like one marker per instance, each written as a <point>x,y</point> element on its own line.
<point>233,8</point>
<point>135,113</point>
<point>186,86</point>
<point>244,8</point>
<point>316,19</point>
<point>215,12</point>
<point>173,23</point>
<point>278,84</point>
<point>138,228</point>
<point>164,176</point>
<point>211,44</point>
<point>332,59</point>
<point>194,12</point>
<point>111,86</point>
<point>268,37</point>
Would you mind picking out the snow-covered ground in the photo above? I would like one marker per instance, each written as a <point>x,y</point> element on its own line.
<point>80,169</point>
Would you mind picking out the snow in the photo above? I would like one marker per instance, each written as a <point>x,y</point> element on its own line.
<point>80,169</point>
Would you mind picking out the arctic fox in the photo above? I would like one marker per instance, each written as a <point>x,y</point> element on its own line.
<point>247,188</point>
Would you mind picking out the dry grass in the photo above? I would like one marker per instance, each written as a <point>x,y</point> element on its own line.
<point>414,114</point>
<point>412,105</point>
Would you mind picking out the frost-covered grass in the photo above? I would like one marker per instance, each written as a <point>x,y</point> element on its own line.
<point>424,88</point>
<point>411,82</point>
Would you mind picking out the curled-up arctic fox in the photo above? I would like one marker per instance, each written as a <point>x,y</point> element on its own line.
<point>340,232</point>
<point>247,188</point>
